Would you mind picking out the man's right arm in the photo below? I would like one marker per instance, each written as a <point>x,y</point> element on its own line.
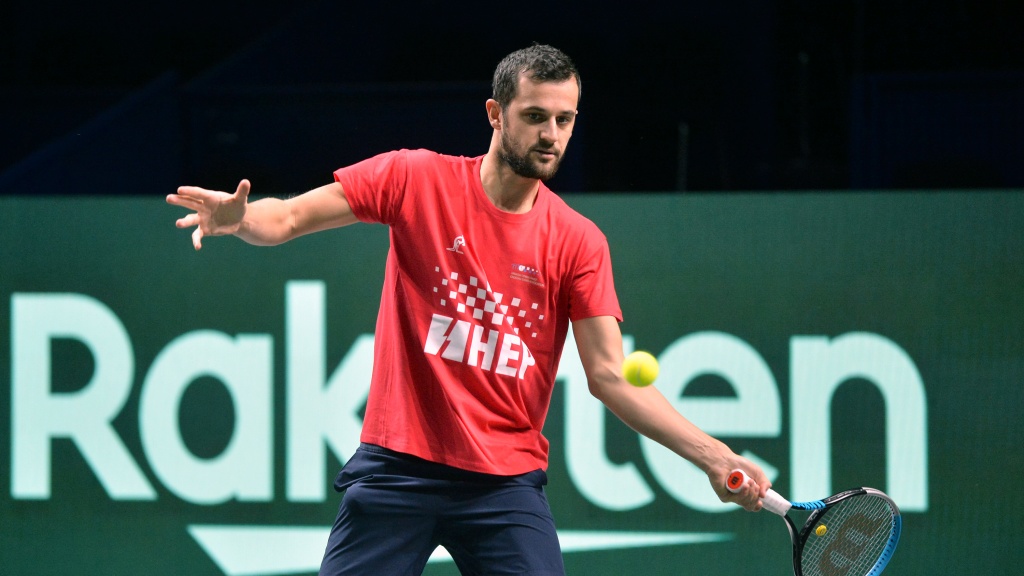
<point>265,222</point>
<point>273,221</point>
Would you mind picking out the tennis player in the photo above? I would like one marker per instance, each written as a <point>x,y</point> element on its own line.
<point>487,270</point>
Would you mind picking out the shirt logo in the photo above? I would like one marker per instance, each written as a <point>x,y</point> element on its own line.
<point>526,273</point>
<point>481,327</point>
<point>459,242</point>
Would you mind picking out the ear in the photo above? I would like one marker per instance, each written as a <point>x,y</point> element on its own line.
<point>494,113</point>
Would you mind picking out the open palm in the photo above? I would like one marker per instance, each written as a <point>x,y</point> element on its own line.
<point>214,213</point>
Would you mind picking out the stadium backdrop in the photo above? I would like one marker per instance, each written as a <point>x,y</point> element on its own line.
<point>164,411</point>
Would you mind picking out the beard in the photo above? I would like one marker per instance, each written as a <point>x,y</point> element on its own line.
<point>521,163</point>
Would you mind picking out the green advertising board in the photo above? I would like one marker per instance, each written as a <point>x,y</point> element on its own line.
<point>166,411</point>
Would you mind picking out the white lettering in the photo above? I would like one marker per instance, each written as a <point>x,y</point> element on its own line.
<point>324,412</point>
<point>319,409</point>
<point>528,360</point>
<point>507,355</point>
<point>83,416</point>
<point>452,345</point>
<point>819,367</point>
<point>243,364</point>
<point>755,411</point>
<point>478,346</point>
<point>610,485</point>
<point>456,348</point>
<point>435,335</point>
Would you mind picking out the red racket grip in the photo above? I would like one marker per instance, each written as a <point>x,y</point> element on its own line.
<point>772,501</point>
<point>735,481</point>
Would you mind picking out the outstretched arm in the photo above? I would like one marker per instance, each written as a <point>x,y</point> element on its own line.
<point>265,222</point>
<point>648,412</point>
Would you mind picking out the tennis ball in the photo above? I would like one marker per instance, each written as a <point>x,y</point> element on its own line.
<point>640,368</point>
<point>820,530</point>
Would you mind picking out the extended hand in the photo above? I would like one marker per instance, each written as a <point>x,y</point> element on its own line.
<point>215,213</point>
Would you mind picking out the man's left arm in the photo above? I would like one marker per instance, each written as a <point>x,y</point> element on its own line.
<point>648,412</point>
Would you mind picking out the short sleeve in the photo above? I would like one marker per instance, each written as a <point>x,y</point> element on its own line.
<point>592,292</point>
<point>375,187</point>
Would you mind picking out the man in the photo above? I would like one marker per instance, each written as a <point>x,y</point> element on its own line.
<point>487,269</point>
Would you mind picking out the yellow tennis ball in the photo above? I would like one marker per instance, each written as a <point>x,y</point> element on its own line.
<point>640,368</point>
<point>820,530</point>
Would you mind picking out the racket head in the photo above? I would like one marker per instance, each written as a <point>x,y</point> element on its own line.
<point>853,533</point>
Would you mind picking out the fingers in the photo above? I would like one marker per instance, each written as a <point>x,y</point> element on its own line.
<point>749,496</point>
<point>763,483</point>
<point>184,202</point>
<point>206,205</point>
<point>187,221</point>
<point>757,486</point>
<point>749,493</point>
<point>752,497</point>
<point>195,192</point>
<point>242,192</point>
<point>192,198</point>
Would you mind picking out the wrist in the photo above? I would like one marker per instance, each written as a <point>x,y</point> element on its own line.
<point>242,230</point>
<point>711,455</point>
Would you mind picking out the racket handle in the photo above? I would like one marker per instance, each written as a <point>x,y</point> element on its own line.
<point>772,501</point>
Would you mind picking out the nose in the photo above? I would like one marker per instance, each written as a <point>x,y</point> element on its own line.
<point>549,131</point>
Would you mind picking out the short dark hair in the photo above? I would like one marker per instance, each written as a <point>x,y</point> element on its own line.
<point>540,63</point>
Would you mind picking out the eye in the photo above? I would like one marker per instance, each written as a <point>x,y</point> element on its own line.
<point>534,117</point>
<point>564,120</point>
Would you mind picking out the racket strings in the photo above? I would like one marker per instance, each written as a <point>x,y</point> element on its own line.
<point>849,538</point>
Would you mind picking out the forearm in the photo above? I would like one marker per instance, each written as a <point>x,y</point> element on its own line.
<point>649,413</point>
<point>272,221</point>
<point>267,222</point>
<point>645,409</point>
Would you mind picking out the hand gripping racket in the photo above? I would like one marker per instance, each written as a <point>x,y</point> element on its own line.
<point>853,533</point>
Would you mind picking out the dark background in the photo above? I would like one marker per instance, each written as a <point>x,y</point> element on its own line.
<point>118,98</point>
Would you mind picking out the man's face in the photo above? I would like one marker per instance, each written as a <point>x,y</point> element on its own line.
<point>537,126</point>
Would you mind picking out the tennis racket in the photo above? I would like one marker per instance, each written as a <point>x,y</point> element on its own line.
<point>852,533</point>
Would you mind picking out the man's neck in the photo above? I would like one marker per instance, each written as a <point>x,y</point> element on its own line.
<point>508,191</point>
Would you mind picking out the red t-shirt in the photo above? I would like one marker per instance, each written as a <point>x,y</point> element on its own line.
<point>475,310</point>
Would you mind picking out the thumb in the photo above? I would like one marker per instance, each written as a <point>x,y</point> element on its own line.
<point>242,192</point>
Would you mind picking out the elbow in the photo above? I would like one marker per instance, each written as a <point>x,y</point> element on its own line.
<point>601,385</point>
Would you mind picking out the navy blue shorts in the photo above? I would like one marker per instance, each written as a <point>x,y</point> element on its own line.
<point>397,509</point>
